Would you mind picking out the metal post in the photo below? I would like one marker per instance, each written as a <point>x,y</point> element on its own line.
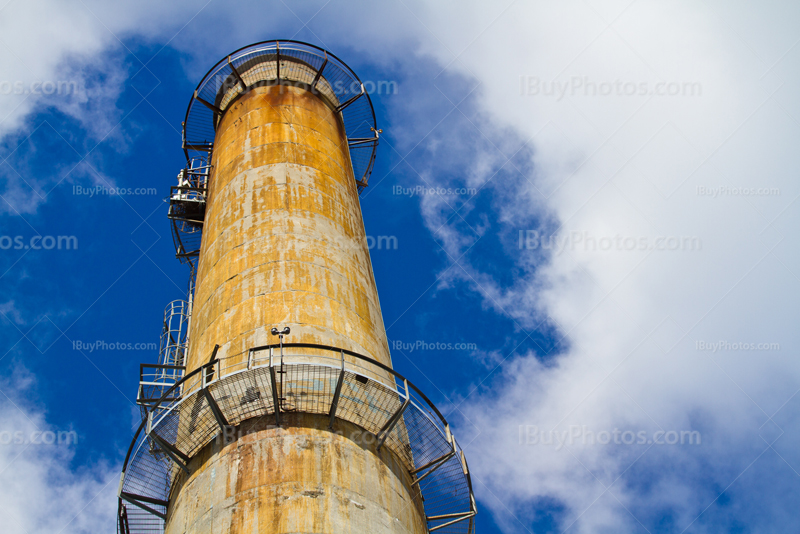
<point>278,60</point>
<point>275,397</point>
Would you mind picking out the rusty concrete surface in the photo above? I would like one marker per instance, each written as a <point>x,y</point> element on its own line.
<point>284,245</point>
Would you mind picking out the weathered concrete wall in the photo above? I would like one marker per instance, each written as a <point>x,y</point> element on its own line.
<point>283,242</point>
<point>298,478</point>
<point>284,245</point>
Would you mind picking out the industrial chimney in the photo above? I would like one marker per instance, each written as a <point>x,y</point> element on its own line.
<point>274,407</point>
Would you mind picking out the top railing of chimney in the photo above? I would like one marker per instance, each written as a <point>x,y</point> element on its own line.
<point>284,63</point>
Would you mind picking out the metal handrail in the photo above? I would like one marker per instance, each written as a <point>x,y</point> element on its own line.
<point>196,139</point>
<point>331,348</point>
<point>167,404</point>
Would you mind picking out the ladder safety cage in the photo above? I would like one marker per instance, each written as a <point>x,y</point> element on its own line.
<point>156,379</point>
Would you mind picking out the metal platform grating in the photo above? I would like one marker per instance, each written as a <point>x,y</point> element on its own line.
<point>420,437</point>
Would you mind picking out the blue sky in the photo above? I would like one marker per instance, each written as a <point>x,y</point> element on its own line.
<point>625,236</point>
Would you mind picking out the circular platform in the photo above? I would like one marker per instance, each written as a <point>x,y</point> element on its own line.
<point>342,385</point>
<point>284,63</point>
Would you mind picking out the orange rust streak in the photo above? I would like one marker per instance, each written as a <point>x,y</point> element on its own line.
<point>284,245</point>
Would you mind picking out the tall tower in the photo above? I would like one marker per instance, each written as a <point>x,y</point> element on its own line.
<point>274,407</point>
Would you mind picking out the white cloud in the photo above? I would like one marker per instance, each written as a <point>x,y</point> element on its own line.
<point>39,491</point>
<point>631,166</point>
<point>602,166</point>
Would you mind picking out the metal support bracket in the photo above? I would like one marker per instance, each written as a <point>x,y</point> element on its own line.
<point>335,401</point>
<point>356,141</point>
<point>434,465</point>
<point>236,73</point>
<point>319,72</point>
<point>208,372</point>
<point>199,147</point>
<point>359,95</point>
<point>221,421</point>
<point>438,462</point>
<point>459,517</point>
<point>390,424</point>
<point>207,104</point>
<point>139,500</point>
<point>174,454</point>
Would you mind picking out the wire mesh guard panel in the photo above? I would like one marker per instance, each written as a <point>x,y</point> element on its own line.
<point>299,64</point>
<point>419,438</point>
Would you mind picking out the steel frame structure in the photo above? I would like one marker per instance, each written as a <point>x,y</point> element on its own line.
<point>285,62</point>
<point>294,377</point>
<point>187,209</point>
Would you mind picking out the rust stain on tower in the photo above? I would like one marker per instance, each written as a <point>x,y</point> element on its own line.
<point>274,407</point>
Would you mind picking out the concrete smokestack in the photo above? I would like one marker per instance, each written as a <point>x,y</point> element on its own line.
<point>311,430</point>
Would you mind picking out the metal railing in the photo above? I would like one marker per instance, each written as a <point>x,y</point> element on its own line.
<point>284,63</point>
<point>187,209</point>
<point>155,380</point>
<point>297,378</point>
